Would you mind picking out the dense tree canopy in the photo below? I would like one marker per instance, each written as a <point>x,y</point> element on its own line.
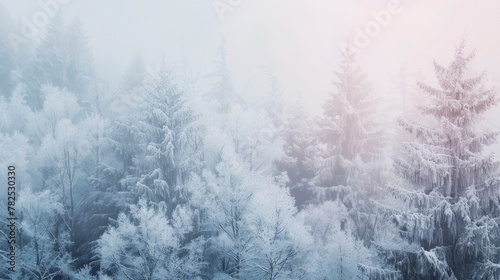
<point>150,179</point>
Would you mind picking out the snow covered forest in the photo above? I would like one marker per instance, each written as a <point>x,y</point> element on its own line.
<point>171,174</point>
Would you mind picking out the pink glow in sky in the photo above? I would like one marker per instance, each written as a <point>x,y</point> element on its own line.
<point>299,39</point>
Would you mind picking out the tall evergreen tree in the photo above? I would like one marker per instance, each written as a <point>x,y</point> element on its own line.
<point>80,65</point>
<point>448,218</point>
<point>135,74</point>
<point>448,157</point>
<point>62,59</point>
<point>349,133</point>
<point>223,88</point>
<point>49,65</point>
<point>300,151</point>
<point>170,141</point>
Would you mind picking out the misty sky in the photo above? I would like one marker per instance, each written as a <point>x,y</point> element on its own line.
<point>298,38</point>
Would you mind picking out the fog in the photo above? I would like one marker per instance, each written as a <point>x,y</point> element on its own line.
<point>246,144</point>
<point>300,40</point>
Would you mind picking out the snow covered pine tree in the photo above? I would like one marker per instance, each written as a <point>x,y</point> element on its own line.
<point>351,164</point>
<point>451,214</point>
<point>352,138</point>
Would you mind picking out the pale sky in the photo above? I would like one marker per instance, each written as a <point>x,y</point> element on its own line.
<point>299,38</point>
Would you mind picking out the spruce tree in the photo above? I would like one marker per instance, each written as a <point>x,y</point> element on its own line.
<point>223,88</point>
<point>448,156</point>
<point>62,59</point>
<point>170,140</point>
<point>349,133</point>
<point>300,150</point>
<point>79,65</point>
<point>448,216</point>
